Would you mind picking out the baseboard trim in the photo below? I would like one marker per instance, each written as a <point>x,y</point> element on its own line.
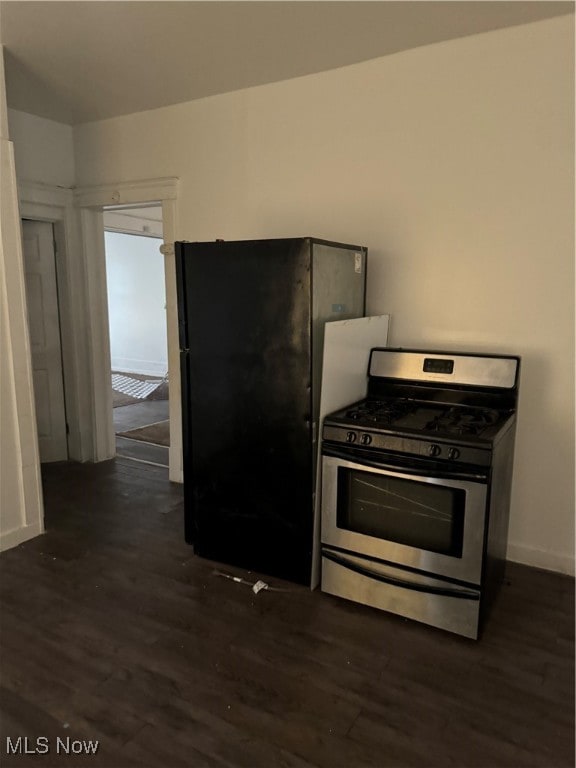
<point>541,558</point>
<point>18,536</point>
<point>142,367</point>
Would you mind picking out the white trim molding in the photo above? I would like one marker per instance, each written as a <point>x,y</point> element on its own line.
<point>9,539</point>
<point>127,193</point>
<point>45,194</point>
<point>98,333</point>
<point>540,558</point>
<point>22,513</point>
<point>176,461</point>
<point>3,106</point>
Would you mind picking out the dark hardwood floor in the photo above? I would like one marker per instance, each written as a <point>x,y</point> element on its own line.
<point>112,630</point>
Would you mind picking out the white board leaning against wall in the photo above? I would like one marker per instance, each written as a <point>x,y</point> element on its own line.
<point>347,345</point>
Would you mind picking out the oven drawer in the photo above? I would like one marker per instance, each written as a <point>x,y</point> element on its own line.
<point>431,601</point>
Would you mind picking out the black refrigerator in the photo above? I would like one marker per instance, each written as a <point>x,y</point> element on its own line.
<point>251,322</point>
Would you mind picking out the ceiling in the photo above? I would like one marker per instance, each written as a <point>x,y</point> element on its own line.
<point>79,61</point>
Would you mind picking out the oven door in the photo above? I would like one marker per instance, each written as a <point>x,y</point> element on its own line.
<point>430,524</point>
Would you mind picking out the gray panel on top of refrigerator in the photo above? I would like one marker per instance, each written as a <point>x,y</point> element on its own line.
<point>338,293</point>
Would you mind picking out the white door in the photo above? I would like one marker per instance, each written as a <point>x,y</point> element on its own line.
<point>44,323</point>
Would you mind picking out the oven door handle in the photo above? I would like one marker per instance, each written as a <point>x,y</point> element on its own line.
<point>438,472</point>
<point>465,594</point>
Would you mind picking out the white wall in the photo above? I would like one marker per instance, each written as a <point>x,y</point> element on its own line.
<point>454,164</point>
<point>44,149</point>
<point>136,304</point>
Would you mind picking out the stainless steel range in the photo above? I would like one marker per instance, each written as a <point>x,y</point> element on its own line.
<point>416,486</point>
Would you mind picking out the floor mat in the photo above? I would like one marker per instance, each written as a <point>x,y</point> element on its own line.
<point>157,434</point>
<point>134,387</point>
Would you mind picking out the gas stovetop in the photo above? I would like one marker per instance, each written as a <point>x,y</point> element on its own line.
<point>433,419</point>
<point>455,433</point>
<point>430,404</point>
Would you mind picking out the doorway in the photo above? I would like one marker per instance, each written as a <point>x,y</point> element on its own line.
<point>136,291</point>
<point>77,220</point>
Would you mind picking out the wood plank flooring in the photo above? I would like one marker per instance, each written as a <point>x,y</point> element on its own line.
<point>112,630</point>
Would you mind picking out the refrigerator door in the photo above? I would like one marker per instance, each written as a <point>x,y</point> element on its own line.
<point>245,317</point>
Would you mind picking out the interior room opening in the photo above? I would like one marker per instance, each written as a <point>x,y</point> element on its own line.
<point>138,333</point>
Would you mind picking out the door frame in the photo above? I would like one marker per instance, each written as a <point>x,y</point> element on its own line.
<point>91,202</point>
<point>25,518</point>
<point>55,205</point>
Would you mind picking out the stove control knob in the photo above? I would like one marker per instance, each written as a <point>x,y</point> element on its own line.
<point>434,450</point>
<point>453,453</point>
<point>366,439</point>
<point>351,437</point>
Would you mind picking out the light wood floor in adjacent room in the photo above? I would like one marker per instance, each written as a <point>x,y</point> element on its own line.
<point>112,630</point>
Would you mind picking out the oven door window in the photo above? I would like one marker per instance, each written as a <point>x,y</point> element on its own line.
<point>422,515</point>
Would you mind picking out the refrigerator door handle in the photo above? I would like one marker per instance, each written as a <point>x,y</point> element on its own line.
<point>181,296</point>
<point>189,527</point>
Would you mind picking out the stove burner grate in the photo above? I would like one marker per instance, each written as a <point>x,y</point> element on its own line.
<point>424,417</point>
<point>462,421</point>
<point>380,411</point>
